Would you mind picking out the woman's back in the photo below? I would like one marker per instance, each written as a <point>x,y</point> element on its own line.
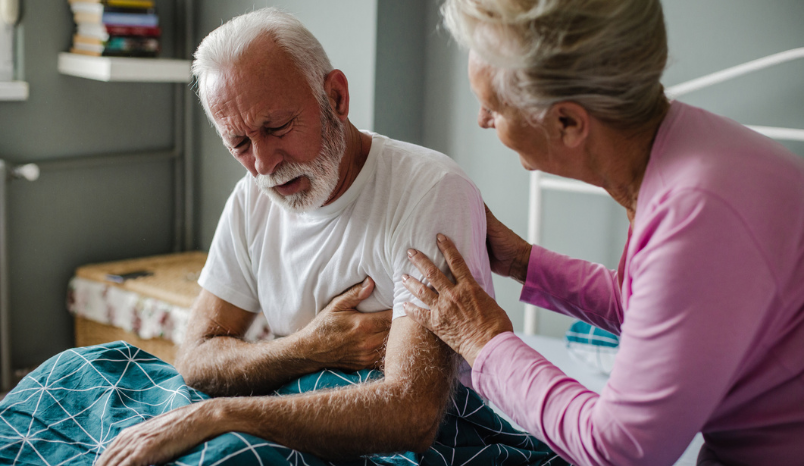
<point>755,189</point>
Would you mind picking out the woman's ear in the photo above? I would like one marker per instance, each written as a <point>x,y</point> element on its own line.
<point>570,122</point>
<point>337,89</point>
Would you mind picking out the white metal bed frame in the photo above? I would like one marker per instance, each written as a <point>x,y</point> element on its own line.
<point>539,182</point>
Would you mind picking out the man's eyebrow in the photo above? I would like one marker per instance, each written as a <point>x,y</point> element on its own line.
<point>271,117</point>
<point>230,136</point>
<point>266,119</point>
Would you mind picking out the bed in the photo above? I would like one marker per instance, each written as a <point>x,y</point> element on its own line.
<point>71,408</point>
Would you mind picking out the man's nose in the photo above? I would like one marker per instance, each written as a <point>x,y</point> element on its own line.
<point>267,156</point>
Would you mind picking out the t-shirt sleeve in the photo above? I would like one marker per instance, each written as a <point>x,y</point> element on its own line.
<point>452,207</point>
<point>701,288</point>
<point>228,272</point>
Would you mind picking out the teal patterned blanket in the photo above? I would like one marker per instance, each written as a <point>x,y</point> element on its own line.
<point>70,409</point>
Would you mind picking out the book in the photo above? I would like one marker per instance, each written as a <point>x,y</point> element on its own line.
<point>99,9</point>
<point>132,54</point>
<point>117,46</point>
<point>82,39</point>
<point>104,31</point>
<point>119,19</point>
<point>88,49</point>
<point>116,28</point>
<point>117,3</point>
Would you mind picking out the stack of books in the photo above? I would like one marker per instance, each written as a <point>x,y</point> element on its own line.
<point>116,28</point>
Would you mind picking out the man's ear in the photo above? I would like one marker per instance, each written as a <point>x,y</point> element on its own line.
<point>570,122</point>
<point>337,89</point>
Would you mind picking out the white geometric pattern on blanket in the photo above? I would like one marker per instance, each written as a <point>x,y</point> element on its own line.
<point>93,444</point>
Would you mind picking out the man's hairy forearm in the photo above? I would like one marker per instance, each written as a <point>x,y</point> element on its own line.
<point>400,412</point>
<point>229,366</point>
<point>215,359</point>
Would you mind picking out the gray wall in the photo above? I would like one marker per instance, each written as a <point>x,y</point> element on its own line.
<point>705,36</point>
<point>400,70</point>
<point>73,217</point>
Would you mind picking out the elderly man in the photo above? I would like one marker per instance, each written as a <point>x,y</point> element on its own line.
<point>324,206</point>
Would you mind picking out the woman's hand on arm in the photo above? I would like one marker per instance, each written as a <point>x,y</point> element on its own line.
<point>508,253</point>
<point>462,314</point>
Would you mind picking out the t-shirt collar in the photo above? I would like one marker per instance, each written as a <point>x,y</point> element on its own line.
<point>351,194</point>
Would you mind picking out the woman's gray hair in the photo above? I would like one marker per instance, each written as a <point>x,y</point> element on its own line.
<point>606,55</point>
<point>224,46</point>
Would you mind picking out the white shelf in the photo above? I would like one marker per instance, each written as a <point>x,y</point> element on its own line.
<point>125,69</point>
<point>14,90</point>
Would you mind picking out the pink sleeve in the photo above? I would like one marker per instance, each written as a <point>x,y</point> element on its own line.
<point>697,306</point>
<point>577,288</point>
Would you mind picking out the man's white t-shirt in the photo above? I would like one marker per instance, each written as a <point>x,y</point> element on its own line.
<point>289,266</point>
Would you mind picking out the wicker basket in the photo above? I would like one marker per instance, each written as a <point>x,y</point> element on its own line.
<point>174,281</point>
<point>89,332</point>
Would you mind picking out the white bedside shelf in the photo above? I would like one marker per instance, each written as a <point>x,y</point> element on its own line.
<point>125,69</point>
<point>14,90</point>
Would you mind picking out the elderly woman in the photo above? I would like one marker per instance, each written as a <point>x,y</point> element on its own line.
<point>708,298</point>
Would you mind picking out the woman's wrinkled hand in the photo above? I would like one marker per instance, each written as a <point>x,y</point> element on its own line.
<point>462,314</point>
<point>508,253</point>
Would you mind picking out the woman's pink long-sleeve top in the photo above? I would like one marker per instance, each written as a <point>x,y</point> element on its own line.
<point>708,302</point>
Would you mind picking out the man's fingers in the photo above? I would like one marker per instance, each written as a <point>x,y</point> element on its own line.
<point>350,298</point>
<point>418,314</point>
<point>454,259</point>
<point>428,296</point>
<point>116,453</point>
<point>430,272</point>
<point>382,320</point>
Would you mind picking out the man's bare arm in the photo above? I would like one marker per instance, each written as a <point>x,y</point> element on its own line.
<point>215,359</point>
<point>402,412</point>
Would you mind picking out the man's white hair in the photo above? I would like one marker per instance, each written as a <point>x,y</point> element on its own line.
<point>225,46</point>
<point>606,55</point>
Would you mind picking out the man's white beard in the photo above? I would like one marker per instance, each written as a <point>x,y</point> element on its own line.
<point>323,172</point>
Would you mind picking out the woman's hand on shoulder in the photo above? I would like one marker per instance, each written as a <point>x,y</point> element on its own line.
<point>461,314</point>
<point>508,252</point>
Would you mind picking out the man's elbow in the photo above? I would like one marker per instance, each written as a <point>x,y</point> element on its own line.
<point>187,365</point>
<point>425,411</point>
<point>426,435</point>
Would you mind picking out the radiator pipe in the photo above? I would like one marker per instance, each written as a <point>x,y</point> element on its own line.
<point>5,331</point>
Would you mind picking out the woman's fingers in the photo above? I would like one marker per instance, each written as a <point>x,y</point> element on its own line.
<point>425,294</point>
<point>429,271</point>
<point>418,314</point>
<point>454,259</point>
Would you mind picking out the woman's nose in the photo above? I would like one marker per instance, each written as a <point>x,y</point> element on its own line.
<point>484,118</point>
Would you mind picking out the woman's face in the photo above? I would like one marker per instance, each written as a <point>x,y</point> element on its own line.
<point>513,128</point>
